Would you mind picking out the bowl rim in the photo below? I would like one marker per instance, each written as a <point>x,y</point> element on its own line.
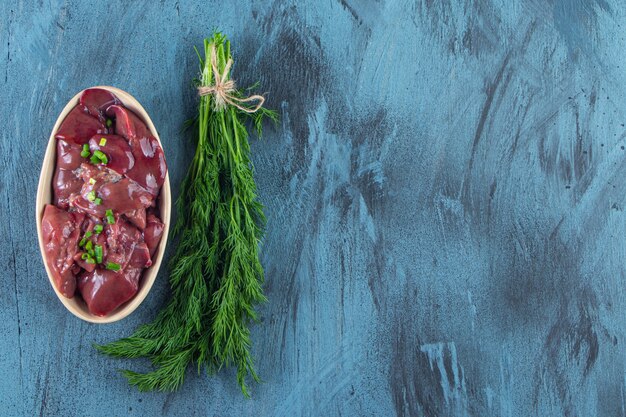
<point>76,305</point>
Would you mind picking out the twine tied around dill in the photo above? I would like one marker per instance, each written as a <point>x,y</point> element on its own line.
<point>224,90</point>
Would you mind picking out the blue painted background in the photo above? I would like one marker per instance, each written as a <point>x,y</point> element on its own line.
<point>445,195</point>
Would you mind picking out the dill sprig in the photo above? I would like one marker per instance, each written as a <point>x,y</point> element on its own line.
<point>215,273</point>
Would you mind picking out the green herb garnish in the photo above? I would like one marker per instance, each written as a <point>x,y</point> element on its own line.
<point>85,152</point>
<point>91,195</point>
<point>215,273</point>
<point>113,266</point>
<point>109,215</point>
<point>97,201</point>
<point>98,251</point>
<point>98,229</point>
<point>101,156</point>
<point>109,122</point>
<point>103,141</point>
<point>87,258</point>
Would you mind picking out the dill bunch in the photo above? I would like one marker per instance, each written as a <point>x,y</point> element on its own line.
<point>215,274</point>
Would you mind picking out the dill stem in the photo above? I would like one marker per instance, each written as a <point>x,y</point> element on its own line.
<point>226,134</point>
<point>234,120</point>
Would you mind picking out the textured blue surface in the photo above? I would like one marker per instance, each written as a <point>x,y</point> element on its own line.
<point>445,196</point>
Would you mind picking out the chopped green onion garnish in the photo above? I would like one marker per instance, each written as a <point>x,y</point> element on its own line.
<point>113,266</point>
<point>109,216</point>
<point>92,181</point>
<point>85,152</point>
<point>101,156</point>
<point>103,141</point>
<point>88,234</point>
<point>98,228</point>
<point>94,159</point>
<point>98,251</point>
<point>87,258</point>
<point>82,242</point>
<point>109,123</point>
<point>89,245</point>
<point>97,201</point>
<point>91,195</point>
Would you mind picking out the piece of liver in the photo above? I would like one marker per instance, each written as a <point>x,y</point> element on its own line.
<point>61,231</point>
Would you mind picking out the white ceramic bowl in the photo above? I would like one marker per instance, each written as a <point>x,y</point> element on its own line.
<point>76,305</point>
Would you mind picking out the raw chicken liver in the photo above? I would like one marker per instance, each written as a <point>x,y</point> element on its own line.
<point>104,227</point>
<point>150,169</point>
<point>79,126</point>
<point>61,231</point>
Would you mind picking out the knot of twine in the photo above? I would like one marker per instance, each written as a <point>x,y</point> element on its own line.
<point>223,89</point>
